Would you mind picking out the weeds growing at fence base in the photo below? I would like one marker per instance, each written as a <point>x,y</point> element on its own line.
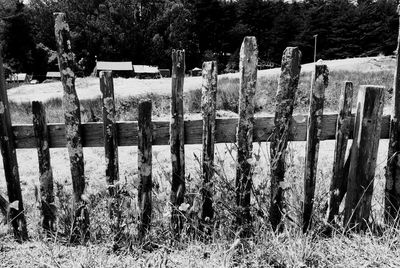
<point>289,249</point>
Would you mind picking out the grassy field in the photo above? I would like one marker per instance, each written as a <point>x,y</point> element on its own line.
<point>266,249</point>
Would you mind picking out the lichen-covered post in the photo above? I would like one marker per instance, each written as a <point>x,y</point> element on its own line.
<point>392,189</point>
<point>248,80</point>
<point>145,166</point>
<point>338,186</point>
<point>285,96</point>
<point>208,110</point>
<point>367,130</point>
<point>177,140</point>
<point>66,62</point>
<point>10,164</point>
<point>314,126</point>
<point>46,173</point>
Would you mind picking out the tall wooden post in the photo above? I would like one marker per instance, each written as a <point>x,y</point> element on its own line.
<point>318,86</point>
<point>10,164</point>
<point>392,189</point>
<point>208,110</point>
<point>338,186</point>
<point>248,80</point>
<point>285,96</point>
<point>66,62</point>
<point>46,173</point>
<point>367,130</point>
<point>177,139</point>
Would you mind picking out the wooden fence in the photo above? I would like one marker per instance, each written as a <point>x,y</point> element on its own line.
<point>353,175</point>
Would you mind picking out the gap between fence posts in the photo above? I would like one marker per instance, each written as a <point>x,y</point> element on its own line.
<point>314,129</point>
<point>363,157</point>
<point>71,106</point>
<point>248,81</point>
<point>10,164</point>
<point>285,96</point>
<point>46,173</point>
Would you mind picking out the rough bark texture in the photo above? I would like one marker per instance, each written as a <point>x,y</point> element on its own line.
<point>4,207</point>
<point>10,164</point>
<point>177,139</point>
<point>208,110</point>
<point>66,62</point>
<point>363,157</point>
<point>338,186</point>
<point>392,189</point>
<point>288,82</point>
<point>318,86</point>
<point>144,164</point>
<point>248,81</point>
<point>46,173</point>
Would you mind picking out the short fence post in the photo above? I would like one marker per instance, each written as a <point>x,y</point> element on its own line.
<point>145,166</point>
<point>46,173</point>
<point>177,140</point>
<point>248,81</point>
<point>208,110</point>
<point>367,130</point>
<point>288,82</point>
<point>319,84</point>
<point>66,62</point>
<point>10,164</point>
<point>338,186</point>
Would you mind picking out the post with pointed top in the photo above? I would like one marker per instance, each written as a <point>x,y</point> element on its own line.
<point>248,81</point>
<point>10,164</point>
<point>285,96</point>
<point>314,126</point>
<point>392,189</point>
<point>67,65</point>
<point>177,140</point>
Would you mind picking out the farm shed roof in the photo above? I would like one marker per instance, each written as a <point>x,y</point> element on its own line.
<point>145,69</point>
<point>53,75</point>
<point>114,65</point>
<point>18,77</point>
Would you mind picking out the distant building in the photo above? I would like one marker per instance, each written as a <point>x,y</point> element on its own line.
<point>119,68</point>
<point>165,72</point>
<point>195,72</point>
<point>146,71</point>
<point>19,78</point>
<point>53,75</point>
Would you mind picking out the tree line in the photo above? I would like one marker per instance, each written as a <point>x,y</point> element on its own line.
<point>145,31</point>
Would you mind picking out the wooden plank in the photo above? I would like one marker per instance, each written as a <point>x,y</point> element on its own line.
<point>363,157</point>
<point>208,110</point>
<point>287,86</point>
<point>46,173</point>
<point>248,80</point>
<point>145,166</point>
<point>177,140</point>
<point>314,127</point>
<point>10,164</point>
<point>338,185</point>
<point>72,115</point>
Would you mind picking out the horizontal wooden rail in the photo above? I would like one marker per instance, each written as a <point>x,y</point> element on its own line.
<point>225,131</point>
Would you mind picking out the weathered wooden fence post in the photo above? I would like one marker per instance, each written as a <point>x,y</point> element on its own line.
<point>367,130</point>
<point>392,189</point>
<point>208,110</point>
<point>145,166</point>
<point>66,62</point>
<point>338,186</point>
<point>177,139</point>
<point>46,173</point>
<point>10,164</point>
<point>285,96</point>
<point>318,86</point>
<point>248,80</point>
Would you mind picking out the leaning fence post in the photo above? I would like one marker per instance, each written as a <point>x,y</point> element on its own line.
<point>338,186</point>
<point>208,110</point>
<point>367,130</point>
<point>285,96</point>
<point>177,139</point>
<point>318,86</point>
<point>66,62</point>
<point>10,164</point>
<point>248,81</point>
<point>46,173</point>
